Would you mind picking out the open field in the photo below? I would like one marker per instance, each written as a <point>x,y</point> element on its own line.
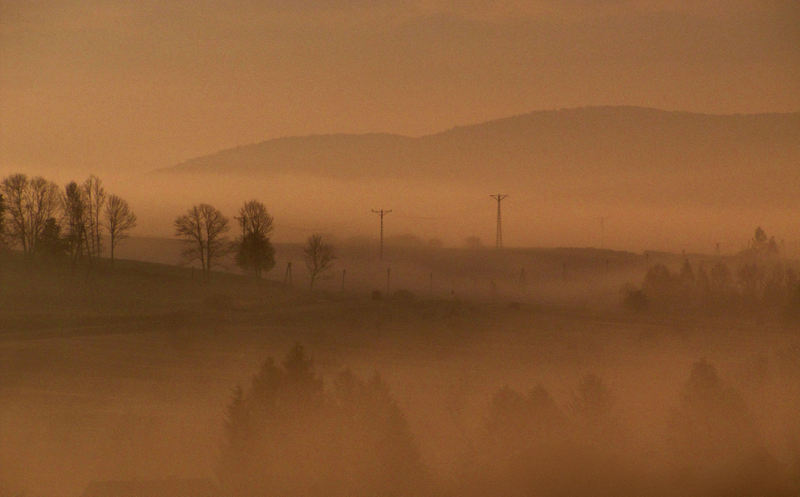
<point>125,372</point>
<point>417,248</point>
<point>559,276</point>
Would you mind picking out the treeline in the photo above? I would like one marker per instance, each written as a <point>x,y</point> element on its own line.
<point>204,230</point>
<point>46,221</point>
<point>289,435</point>
<point>76,222</point>
<point>756,276</point>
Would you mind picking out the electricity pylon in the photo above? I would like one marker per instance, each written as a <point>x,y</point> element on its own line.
<point>499,241</point>
<point>381,213</point>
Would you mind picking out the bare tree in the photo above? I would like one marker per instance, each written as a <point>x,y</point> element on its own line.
<point>254,218</point>
<point>203,227</point>
<point>14,188</point>
<point>319,256</point>
<point>50,244</point>
<point>43,205</point>
<point>95,199</point>
<point>30,203</point>
<point>2,220</point>
<point>254,252</point>
<point>119,221</point>
<point>75,216</point>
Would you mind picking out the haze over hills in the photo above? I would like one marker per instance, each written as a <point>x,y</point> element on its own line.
<point>630,147</point>
<point>667,180</point>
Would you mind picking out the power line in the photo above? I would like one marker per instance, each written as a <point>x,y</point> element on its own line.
<point>499,240</point>
<point>381,213</point>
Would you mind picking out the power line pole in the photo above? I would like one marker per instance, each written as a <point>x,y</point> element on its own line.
<point>381,213</point>
<point>499,241</point>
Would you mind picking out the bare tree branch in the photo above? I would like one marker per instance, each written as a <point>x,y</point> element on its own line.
<point>203,227</point>
<point>319,256</point>
<point>119,221</point>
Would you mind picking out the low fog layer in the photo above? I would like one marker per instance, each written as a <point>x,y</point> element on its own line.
<point>682,382</point>
<point>611,177</point>
<point>257,248</point>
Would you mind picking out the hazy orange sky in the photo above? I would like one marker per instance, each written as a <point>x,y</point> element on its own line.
<point>130,86</point>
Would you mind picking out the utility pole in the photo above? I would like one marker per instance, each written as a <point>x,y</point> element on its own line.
<point>499,240</point>
<point>381,213</point>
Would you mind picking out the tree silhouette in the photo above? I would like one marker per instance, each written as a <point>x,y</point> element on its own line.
<point>30,203</point>
<point>254,252</point>
<point>712,418</point>
<point>2,219</point>
<point>763,245</point>
<point>378,453</point>
<point>239,435</point>
<point>203,228</point>
<point>94,198</point>
<point>254,218</point>
<point>119,220</point>
<point>524,444</point>
<point>522,419</point>
<point>592,401</point>
<point>713,432</point>
<point>319,256</point>
<point>75,216</point>
<point>634,298</point>
<point>286,435</point>
<point>14,188</point>
<point>50,243</point>
<point>300,370</point>
<point>759,237</point>
<point>265,426</point>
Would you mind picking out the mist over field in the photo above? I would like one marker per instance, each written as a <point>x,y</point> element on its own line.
<point>128,373</point>
<point>399,248</point>
<point>664,180</point>
<point>661,180</point>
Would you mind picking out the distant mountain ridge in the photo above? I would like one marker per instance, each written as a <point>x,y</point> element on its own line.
<point>612,144</point>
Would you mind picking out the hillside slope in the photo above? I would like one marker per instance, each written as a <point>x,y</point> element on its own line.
<point>600,141</point>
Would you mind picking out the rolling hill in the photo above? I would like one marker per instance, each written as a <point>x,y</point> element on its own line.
<point>669,180</point>
<point>639,144</point>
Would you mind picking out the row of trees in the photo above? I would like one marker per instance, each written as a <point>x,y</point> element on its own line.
<point>759,275</point>
<point>751,280</point>
<point>290,433</point>
<point>42,219</point>
<point>205,230</point>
